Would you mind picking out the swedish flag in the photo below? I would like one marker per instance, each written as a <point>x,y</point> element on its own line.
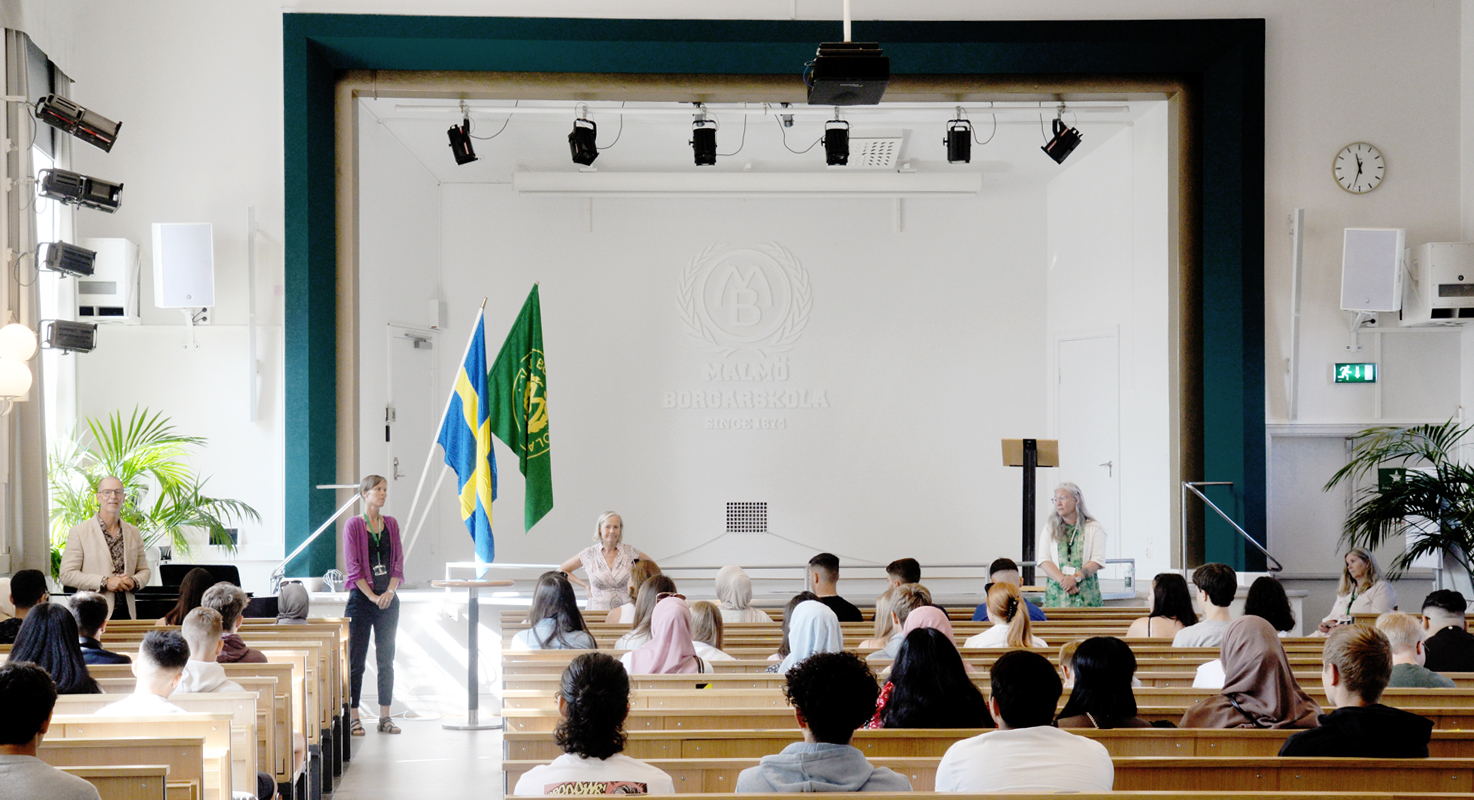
<point>465,435</point>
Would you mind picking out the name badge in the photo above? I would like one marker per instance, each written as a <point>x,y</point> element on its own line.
<point>380,569</point>
<point>1068,571</point>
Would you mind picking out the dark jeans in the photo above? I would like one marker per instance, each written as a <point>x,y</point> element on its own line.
<point>365,616</point>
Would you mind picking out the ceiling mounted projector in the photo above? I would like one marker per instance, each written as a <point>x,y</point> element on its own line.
<point>848,74</point>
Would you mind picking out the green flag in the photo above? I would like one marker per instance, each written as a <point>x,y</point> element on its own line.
<point>517,386</point>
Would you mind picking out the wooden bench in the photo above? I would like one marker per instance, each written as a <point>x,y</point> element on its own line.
<point>126,782</point>
<point>183,756</point>
<point>213,728</point>
<point>1455,775</point>
<point>934,742</point>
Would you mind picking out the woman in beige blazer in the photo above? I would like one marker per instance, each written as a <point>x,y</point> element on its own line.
<point>88,563</point>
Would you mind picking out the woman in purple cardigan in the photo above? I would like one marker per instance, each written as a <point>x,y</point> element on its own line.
<point>375,560</point>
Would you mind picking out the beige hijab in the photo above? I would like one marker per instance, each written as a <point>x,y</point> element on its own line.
<point>734,590</point>
<point>1259,691</point>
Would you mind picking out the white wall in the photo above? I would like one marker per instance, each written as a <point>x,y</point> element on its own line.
<point>145,61</point>
<point>1109,272</point>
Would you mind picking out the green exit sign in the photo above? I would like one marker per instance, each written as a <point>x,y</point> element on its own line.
<point>1356,373</point>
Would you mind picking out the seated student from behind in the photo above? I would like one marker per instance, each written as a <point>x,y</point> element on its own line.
<point>1449,644</point>
<point>27,590</point>
<point>824,583</point>
<point>1216,584</point>
<point>201,631</point>
<point>28,696</point>
<point>907,598</point>
<point>593,700</point>
<point>160,664</point>
<point>231,602</point>
<point>1405,633</point>
<point>1004,570</point>
<point>706,631</point>
<point>1357,663</point>
<point>1025,754</point>
<point>832,694</point>
<point>902,570</point>
<point>90,611</point>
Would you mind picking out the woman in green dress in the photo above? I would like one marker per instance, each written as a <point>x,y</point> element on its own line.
<point>1070,551</point>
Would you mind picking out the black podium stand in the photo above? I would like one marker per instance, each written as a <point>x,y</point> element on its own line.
<point>1030,454</point>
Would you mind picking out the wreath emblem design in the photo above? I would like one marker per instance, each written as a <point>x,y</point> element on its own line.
<point>697,315</point>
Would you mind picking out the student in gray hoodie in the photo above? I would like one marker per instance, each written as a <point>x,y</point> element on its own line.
<point>832,694</point>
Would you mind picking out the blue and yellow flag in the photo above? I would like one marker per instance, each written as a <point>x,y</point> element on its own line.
<point>465,435</point>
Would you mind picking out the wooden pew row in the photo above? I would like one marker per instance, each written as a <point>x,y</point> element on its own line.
<point>1136,742</point>
<point>126,782</point>
<point>514,664</point>
<point>184,758</point>
<point>954,612</point>
<point>240,706</point>
<point>1441,699</point>
<point>272,683</point>
<point>1182,678</point>
<point>214,729</point>
<point>729,718</point>
<point>1253,774</point>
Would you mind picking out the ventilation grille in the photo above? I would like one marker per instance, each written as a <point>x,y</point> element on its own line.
<point>747,518</point>
<point>876,150</point>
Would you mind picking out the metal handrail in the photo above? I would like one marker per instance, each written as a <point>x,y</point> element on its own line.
<point>281,569</point>
<point>1192,486</point>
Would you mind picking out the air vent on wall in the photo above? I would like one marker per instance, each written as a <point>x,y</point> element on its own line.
<point>747,518</point>
<point>875,149</point>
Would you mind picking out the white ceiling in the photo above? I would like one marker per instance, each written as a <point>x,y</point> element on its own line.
<point>655,137</point>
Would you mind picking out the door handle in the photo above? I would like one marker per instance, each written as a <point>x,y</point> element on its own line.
<point>1109,465</point>
<point>397,476</point>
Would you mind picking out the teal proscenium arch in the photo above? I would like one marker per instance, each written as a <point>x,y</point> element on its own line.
<point>1222,61</point>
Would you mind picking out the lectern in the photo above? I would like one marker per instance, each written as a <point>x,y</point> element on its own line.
<point>1030,454</point>
<point>473,646</point>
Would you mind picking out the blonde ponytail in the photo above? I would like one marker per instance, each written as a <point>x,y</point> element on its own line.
<point>1006,607</point>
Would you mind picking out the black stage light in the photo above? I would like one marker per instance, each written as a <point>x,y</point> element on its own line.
<point>89,126</point>
<point>460,142</point>
<point>959,141</point>
<point>836,143</point>
<point>81,190</point>
<point>73,337</point>
<point>704,142</point>
<point>1065,140</point>
<point>68,259</point>
<point>581,141</point>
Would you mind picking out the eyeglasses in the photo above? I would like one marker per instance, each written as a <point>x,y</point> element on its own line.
<point>664,595</point>
<point>113,492</point>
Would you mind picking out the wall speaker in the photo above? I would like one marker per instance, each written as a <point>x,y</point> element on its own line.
<point>184,265</point>
<point>1371,269</point>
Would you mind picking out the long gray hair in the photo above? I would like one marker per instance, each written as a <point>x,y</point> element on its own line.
<point>1057,523</point>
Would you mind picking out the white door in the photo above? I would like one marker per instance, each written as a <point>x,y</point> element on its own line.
<point>409,431</point>
<point>1089,429</point>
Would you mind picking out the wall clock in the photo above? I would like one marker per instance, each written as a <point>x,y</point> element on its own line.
<point>1359,168</point>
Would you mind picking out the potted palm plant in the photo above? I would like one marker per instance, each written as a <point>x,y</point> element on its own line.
<point>1423,493</point>
<point>165,497</point>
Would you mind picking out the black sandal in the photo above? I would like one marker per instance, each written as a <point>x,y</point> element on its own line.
<point>386,725</point>
<point>355,728</point>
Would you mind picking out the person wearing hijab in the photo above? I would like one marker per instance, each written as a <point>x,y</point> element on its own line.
<point>734,590</point>
<point>670,650</point>
<point>935,619</point>
<point>813,629</point>
<point>1259,691</point>
<point>292,604</point>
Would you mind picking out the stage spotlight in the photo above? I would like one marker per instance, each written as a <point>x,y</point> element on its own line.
<point>1065,140</point>
<point>73,337</point>
<point>460,142</point>
<point>704,142</point>
<point>959,141</point>
<point>81,190</point>
<point>68,259</point>
<point>89,126</point>
<point>581,141</point>
<point>836,143</point>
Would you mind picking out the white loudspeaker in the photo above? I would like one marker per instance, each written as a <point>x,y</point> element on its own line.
<point>1371,269</point>
<point>184,265</point>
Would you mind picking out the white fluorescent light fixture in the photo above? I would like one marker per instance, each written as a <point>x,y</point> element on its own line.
<point>746,184</point>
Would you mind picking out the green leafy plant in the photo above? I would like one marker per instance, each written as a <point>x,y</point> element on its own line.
<point>1428,497</point>
<point>165,496</point>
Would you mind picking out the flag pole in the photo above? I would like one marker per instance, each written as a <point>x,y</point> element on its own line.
<point>435,440</point>
<point>415,534</point>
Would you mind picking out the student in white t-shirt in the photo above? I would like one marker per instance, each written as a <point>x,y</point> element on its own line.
<point>594,700</point>
<point>1025,754</point>
<point>159,667</point>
